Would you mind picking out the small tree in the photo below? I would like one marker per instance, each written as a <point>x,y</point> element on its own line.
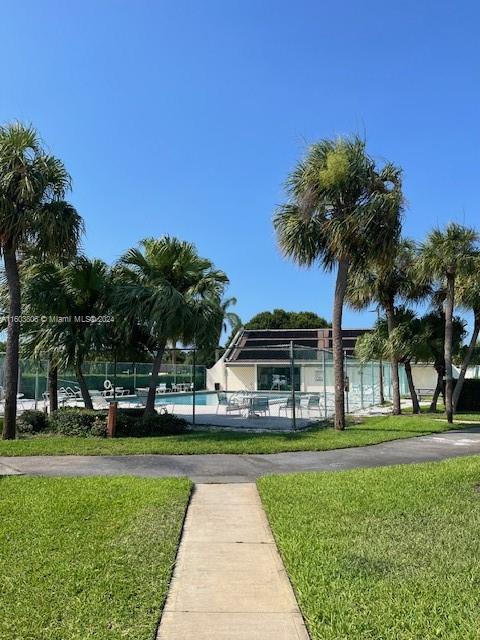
<point>77,293</point>
<point>406,342</point>
<point>433,327</point>
<point>445,256</point>
<point>468,296</point>
<point>208,353</point>
<point>172,293</point>
<point>386,283</point>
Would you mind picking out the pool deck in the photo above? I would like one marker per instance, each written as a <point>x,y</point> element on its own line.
<point>207,416</point>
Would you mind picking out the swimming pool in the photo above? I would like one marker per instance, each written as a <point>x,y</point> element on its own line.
<point>203,398</point>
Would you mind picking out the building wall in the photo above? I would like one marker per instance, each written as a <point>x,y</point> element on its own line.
<point>241,378</point>
<point>424,376</point>
<point>232,378</point>
<point>217,375</point>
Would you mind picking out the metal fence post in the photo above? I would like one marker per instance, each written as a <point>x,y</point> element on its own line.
<point>193,390</point>
<point>361,387</point>
<point>324,385</point>
<point>347,381</point>
<point>373,384</point>
<point>292,376</point>
<point>36,387</point>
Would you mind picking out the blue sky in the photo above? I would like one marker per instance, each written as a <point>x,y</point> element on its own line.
<point>185,117</point>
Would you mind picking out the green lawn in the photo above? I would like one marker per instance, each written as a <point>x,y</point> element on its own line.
<point>390,553</point>
<point>369,431</point>
<point>86,558</point>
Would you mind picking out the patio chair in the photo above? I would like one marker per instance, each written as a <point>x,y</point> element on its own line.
<point>230,404</point>
<point>161,388</point>
<point>259,405</point>
<point>309,403</point>
<point>287,405</point>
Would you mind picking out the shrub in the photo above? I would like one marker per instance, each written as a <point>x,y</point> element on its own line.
<point>469,399</point>
<point>32,421</point>
<point>79,422</point>
<point>71,421</point>
<point>164,424</point>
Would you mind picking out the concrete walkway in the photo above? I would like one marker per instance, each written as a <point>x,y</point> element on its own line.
<point>246,468</point>
<point>229,582</point>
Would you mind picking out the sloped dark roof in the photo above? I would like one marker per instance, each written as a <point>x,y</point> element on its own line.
<point>274,344</point>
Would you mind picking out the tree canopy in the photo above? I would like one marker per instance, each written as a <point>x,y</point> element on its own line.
<point>281,319</point>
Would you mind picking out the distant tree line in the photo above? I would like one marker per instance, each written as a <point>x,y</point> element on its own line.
<point>281,319</point>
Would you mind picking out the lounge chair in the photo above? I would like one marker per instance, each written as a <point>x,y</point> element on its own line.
<point>98,398</point>
<point>109,390</point>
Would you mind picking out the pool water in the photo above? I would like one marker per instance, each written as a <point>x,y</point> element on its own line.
<point>202,399</point>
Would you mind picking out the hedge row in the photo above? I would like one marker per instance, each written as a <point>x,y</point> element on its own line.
<point>70,421</point>
<point>470,397</point>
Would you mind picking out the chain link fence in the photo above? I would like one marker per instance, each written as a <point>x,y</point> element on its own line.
<point>281,387</point>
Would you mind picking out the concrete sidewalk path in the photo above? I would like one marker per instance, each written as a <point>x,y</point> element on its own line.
<point>229,582</point>
<point>224,468</point>
<point>9,469</point>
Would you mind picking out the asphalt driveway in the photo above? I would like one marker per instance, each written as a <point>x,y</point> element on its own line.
<point>246,468</point>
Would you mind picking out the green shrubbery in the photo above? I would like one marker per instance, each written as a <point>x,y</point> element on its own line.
<point>32,421</point>
<point>164,424</point>
<point>469,399</point>
<point>70,421</point>
<point>78,422</point>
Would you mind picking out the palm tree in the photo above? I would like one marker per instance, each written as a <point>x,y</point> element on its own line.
<point>32,214</point>
<point>208,353</point>
<point>385,283</point>
<point>406,342</point>
<point>433,327</point>
<point>230,318</point>
<point>468,295</point>
<point>444,256</point>
<point>173,293</point>
<point>78,292</point>
<point>341,210</point>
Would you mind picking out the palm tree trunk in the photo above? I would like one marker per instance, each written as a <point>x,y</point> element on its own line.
<point>411,387</point>
<point>13,340</point>
<point>438,390</point>
<point>52,387</point>
<point>396,406</point>
<point>449,302</point>
<point>83,387</point>
<point>466,360</point>
<point>337,344</point>
<point>152,389</point>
